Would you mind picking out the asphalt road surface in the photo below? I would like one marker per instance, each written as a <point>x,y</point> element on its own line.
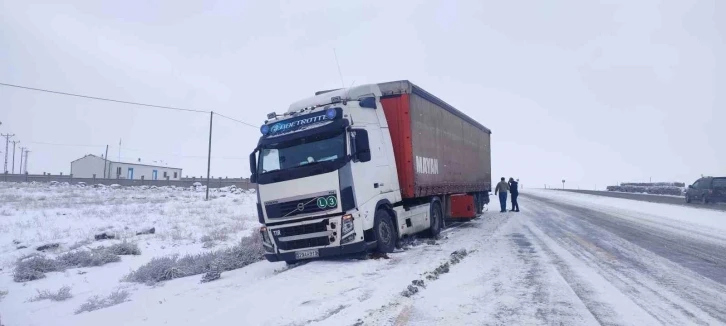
<point>651,198</point>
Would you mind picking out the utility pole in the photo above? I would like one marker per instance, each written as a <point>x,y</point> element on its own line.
<point>26,160</point>
<point>22,150</point>
<point>209,152</point>
<point>7,146</point>
<point>14,143</point>
<point>105,162</point>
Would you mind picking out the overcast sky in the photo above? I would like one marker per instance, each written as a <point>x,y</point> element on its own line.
<point>590,93</point>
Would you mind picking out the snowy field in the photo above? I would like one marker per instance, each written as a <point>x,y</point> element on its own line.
<point>70,217</point>
<point>566,259</point>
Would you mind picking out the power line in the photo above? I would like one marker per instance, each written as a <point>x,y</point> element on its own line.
<point>184,156</point>
<point>103,99</point>
<point>123,102</point>
<point>242,122</point>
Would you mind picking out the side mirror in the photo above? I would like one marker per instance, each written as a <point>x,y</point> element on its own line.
<point>362,147</point>
<point>690,186</point>
<point>367,102</point>
<point>253,167</point>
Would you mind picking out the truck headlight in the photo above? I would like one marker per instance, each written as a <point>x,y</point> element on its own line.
<point>346,225</point>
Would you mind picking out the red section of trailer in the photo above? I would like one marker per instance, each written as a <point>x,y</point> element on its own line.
<point>438,149</point>
<point>462,206</point>
<point>399,124</point>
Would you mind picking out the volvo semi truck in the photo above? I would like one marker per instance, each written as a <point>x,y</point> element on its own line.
<point>358,169</point>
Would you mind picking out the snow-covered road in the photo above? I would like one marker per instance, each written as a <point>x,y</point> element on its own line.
<point>566,259</point>
<point>575,261</point>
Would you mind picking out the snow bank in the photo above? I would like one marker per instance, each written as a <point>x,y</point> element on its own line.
<point>653,190</point>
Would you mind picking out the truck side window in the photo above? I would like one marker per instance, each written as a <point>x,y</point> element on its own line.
<point>361,148</point>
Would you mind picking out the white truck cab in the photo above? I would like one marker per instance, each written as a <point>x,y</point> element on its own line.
<point>321,170</point>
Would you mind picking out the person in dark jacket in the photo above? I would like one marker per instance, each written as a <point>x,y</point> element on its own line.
<point>501,189</point>
<point>514,189</point>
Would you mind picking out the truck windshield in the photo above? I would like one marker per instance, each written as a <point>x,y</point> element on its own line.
<point>300,152</point>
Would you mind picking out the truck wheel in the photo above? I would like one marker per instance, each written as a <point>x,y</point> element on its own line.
<point>479,203</point>
<point>384,231</point>
<point>437,218</point>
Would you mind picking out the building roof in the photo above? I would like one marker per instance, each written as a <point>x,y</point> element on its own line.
<point>130,163</point>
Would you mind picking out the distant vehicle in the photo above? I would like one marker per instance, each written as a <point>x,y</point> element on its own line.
<point>707,190</point>
<point>362,168</point>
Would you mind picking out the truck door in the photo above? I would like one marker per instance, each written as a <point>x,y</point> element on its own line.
<point>372,179</point>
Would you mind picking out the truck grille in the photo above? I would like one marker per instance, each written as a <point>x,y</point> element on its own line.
<point>304,243</point>
<point>304,229</point>
<point>299,207</point>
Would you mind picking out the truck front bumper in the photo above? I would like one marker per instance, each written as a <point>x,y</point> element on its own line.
<point>323,252</point>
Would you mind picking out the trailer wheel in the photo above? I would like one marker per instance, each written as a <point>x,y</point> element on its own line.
<point>485,197</point>
<point>384,231</point>
<point>479,200</point>
<point>437,219</point>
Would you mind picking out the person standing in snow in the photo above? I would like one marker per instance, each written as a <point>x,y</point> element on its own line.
<point>502,189</point>
<point>513,188</point>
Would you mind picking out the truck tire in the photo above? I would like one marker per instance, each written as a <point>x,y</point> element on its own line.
<point>384,231</point>
<point>437,218</point>
<point>479,199</point>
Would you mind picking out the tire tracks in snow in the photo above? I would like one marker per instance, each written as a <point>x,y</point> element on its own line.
<point>507,281</point>
<point>602,312</point>
<point>399,310</point>
<point>540,298</point>
<point>652,267</point>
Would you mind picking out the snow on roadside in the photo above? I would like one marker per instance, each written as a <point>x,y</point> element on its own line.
<point>32,215</point>
<point>326,292</point>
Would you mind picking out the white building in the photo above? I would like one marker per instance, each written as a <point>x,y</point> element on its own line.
<point>87,166</point>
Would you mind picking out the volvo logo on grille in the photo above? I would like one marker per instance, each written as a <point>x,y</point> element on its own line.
<point>300,206</point>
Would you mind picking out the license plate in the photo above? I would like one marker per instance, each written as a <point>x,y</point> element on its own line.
<point>307,254</point>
